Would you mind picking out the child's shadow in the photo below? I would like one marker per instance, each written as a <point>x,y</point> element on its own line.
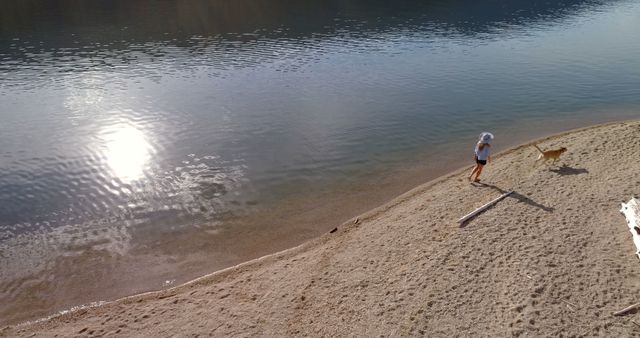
<point>519,197</point>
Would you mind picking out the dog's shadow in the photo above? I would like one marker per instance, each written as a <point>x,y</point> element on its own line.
<point>565,170</point>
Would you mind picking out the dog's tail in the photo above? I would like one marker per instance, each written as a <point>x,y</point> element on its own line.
<point>540,150</point>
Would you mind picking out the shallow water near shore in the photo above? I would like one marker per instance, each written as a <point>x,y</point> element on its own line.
<point>144,144</point>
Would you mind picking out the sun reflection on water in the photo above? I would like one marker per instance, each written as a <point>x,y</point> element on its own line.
<point>127,151</point>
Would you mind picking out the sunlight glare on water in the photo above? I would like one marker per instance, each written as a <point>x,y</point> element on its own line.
<point>126,151</point>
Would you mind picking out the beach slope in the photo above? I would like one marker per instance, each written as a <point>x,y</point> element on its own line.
<point>554,258</point>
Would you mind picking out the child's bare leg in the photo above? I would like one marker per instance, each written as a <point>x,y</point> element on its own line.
<point>480,166</point>
<point>475,169</point>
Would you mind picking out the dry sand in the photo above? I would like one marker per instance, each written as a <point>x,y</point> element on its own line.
<point>553,259</point>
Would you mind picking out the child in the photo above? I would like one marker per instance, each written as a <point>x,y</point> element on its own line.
<point>481,155</point>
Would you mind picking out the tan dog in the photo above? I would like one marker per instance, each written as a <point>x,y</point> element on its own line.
<point>550,154</point>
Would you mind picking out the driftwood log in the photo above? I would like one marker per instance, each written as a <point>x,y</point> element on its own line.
<point>631,211</point>
<point>483,208</point>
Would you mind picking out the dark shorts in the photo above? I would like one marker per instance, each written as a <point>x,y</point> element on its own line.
<point>482,162</point>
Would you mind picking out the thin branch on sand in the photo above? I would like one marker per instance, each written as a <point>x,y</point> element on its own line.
<point>570,305</point>
<point>627,309</point>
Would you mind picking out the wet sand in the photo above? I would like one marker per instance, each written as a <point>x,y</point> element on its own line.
<point>553,258</point>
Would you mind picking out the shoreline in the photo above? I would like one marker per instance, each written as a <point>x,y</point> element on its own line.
<point>307,246</point>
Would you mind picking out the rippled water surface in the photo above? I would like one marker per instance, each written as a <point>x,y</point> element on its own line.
<point>143,143</point>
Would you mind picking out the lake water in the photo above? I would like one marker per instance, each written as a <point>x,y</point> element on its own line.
<point>144,143</point>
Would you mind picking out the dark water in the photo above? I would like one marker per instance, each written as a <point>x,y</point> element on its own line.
<point>143,143</point>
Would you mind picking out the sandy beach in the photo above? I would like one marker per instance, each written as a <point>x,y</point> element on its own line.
<point>555,258</point>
